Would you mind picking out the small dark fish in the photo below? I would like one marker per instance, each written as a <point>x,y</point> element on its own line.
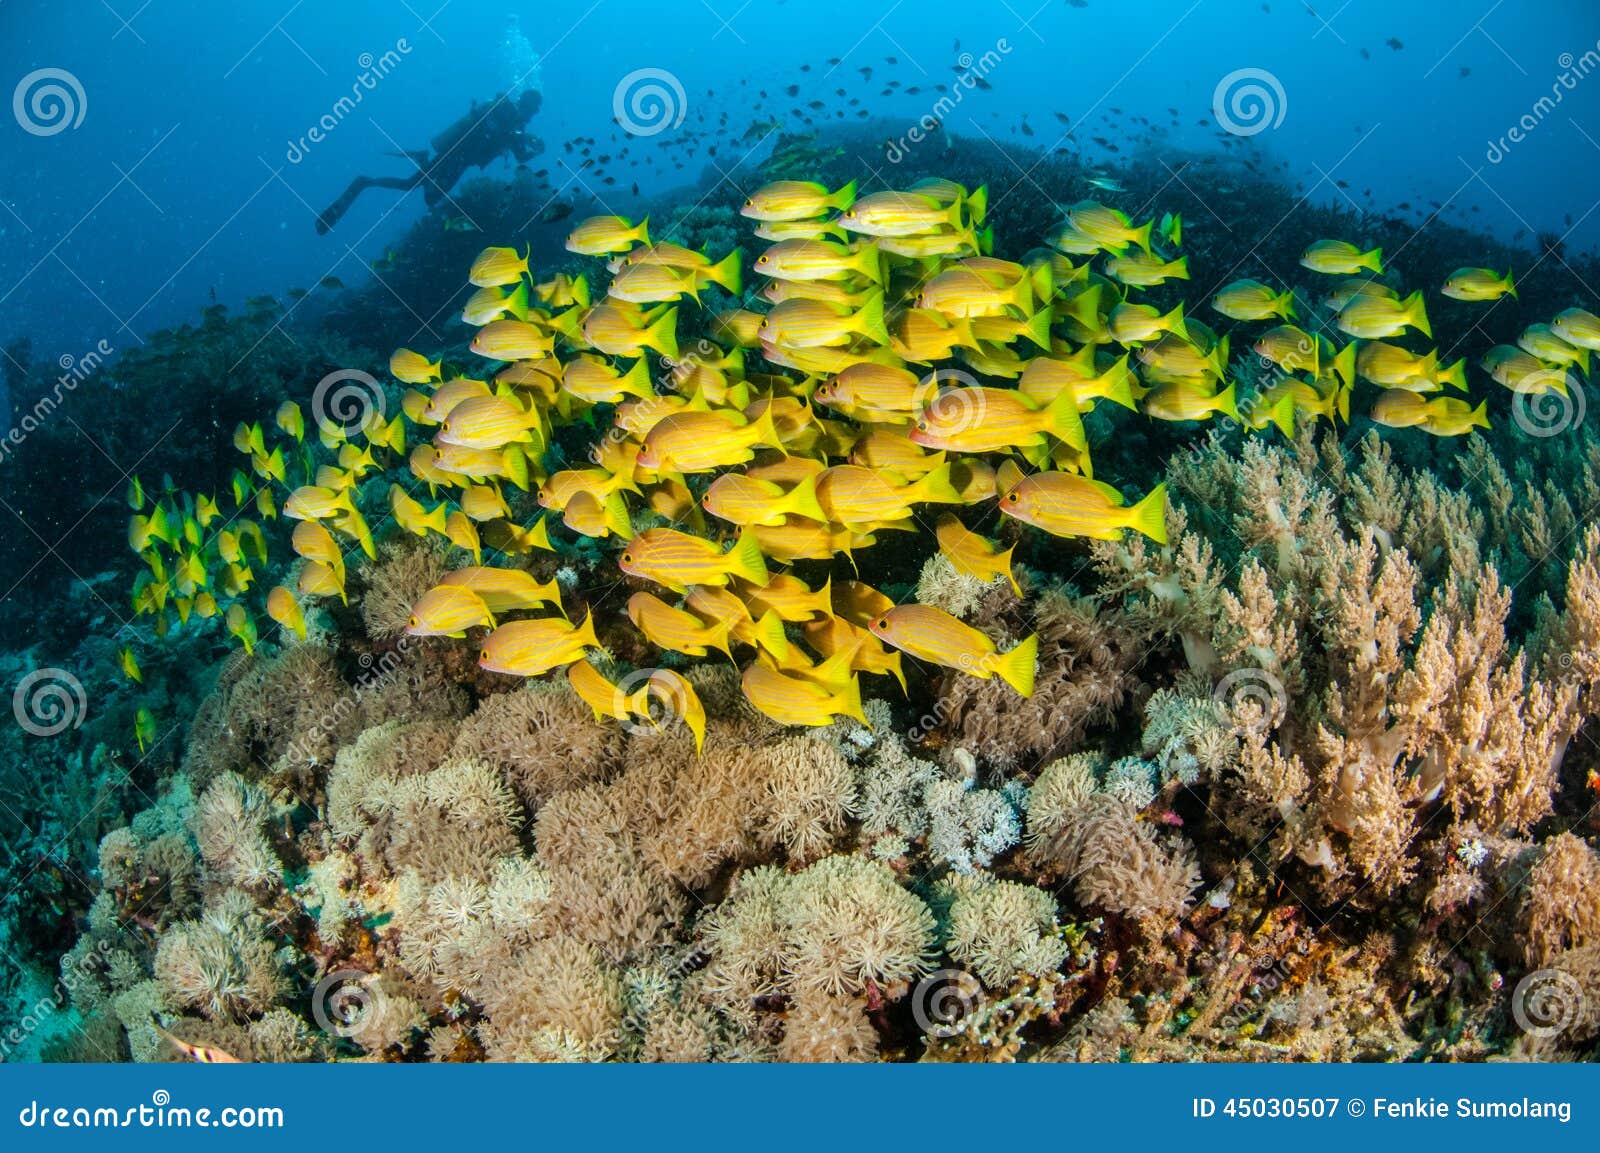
<point>1393,43</point>
<point>1465,72</point>
<point>1365,55</point>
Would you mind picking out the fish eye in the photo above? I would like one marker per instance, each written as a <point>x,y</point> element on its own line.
<point>761,259</point>
<point>922,426</point>
<point>881,623</point>
<point>627,558</point>
<point>1013,497</point>
<point>413,622</point>
<point>750,202</point>
<point>483,655</point>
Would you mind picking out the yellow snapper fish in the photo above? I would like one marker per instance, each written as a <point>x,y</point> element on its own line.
<point>900,214</point>
<point>1341,258</point>
<point>512,340</point>
<point>744,500</point>
<point>785,200</point>
<point>1143,270</point>
<point>1189,400</point>
<point>1578,328</point>
<point>241,626</point>
<point>965,292</point>
<point>851,495</point>
<point>1522,372</point>
<point>320,580</point>
<point>411,516</point>
<point>787,597</point>
<point>792,700</point>
<point>1139,323</point>
<point>505,590</point>
<point>831,635</point>
<point>1046,378</point>
<point>594,381</point>
<point>674,629</point>
<point>1376,317</point>
<point>722,606</point>
<point>283,608</point>
<point>972,554</point>
<point>676,560</point>
<point>144,729</point>
<point>291,420</point>
<point>1109,228</point>
<point>410,367</point>
<point>495,267</point>
<point>933,635</point>
<point>1543,341</point>
<point>490,422</point>
<point>1290,348</point>
<point>532,647</point>
<point>1252,300</point>
<point>1441,416</point>
<point>314,542</point>
<point>1183,358</point>
<point>812,260</point>
<point>1390,366</point>
<point>879,392</point>
<point>803,323</point>
<point>463,534</point>
<point>596,517</point>
<point>490,304</point>
<point>690,442</point>
<point>1478,284</point>
<point>448,611</point>
<point>130,666</point>
<point>618,332</point>
<point>1064,504</point>
<point>980,419</point>
<point>483,502</point>
<point>604,235</point>
<point>311,502</point>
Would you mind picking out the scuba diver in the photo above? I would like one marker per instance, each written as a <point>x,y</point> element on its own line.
<point>477,140</point>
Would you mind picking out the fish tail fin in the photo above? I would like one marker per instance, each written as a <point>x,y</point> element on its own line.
<point>1141,235</point>
<point>1062,420</point>
<point>435,519</point>
<point>581,296</point>
<point>1344,364</point>
<point>1017,667</point>
<point>893,667</point>
<point>727,272</point>
<point>1480,416</point>
<point>847,701</point>
<point>869,263</point>
<point>1342,401</point>
<point>614,512</point>
<point>663,334</point>
<point>745,560</point>
<point>802,501</point>
<point>516,462</point>
<point>1149,516</point>
<point>1178,269</point>
<point>1417,313</point>
<point>843,198</point>
<point>1217,358</point>
<point>516,302</point>
<point>584,633</point>
<point>770,636</point>
<point>1372,260</point>
<point>1226,402</point>
<point>936,487</point>
<point>1173,322</point>
<point>636,381</point>
<point>1511,286</point>
<point>1455,375</point>
<point>986,241</point>
<point>1037,329</point>
<point>1283,305</point>
<point>1043,276</point>
<point>978,204</point>
<point>1119,389</point>
<point>642,232</point>
<point>822,599</point>
<point>1282,415</point>
<point>768,429</point>
<point>869,321</point>
<point>1174,230</point>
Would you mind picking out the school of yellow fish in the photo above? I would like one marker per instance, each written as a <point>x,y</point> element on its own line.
<point>813,425</point>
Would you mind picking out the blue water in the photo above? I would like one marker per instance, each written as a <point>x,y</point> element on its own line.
<point>186,174</point>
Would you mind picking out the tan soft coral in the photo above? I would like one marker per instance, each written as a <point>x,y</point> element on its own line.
<point>541,739</point>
